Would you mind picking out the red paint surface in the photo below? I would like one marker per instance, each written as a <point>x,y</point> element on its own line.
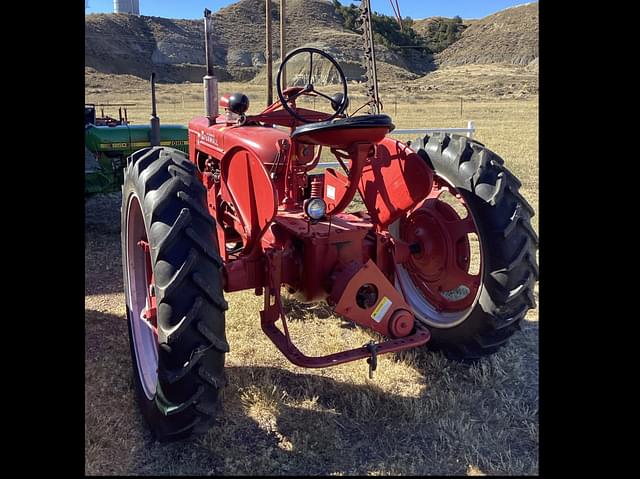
<point>257,178</point>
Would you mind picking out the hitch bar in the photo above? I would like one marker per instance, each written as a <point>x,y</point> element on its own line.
<point>293,354</point>
<point>273,311</point>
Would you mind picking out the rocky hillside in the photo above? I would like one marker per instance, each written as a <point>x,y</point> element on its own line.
<point>116,43</point>
<point>125,44</point>
<point>509,36</point>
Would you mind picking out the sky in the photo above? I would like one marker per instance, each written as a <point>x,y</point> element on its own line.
<point>408,8</point>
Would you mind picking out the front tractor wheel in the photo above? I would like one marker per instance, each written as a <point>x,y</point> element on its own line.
<point>173,290</point>
<point>471,274</point>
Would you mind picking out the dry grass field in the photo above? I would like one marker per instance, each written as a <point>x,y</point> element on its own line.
<point>421,415</point>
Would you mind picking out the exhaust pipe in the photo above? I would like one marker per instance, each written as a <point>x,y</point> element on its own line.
<point>154,134</point>
<point>209,80</point>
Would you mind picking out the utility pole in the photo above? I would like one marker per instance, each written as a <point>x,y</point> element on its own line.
<point>371,71</point>
<point>268,53</point>
<point>283,7</point>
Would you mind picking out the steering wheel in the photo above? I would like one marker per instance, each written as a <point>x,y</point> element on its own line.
<point>309,89</point>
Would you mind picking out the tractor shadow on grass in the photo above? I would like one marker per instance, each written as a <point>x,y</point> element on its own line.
<point>117,441</point>
<point>276,421</point>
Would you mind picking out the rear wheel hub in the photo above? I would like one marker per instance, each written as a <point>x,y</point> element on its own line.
<point>437,279</point>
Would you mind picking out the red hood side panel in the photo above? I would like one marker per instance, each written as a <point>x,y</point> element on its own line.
<point>261,140</point>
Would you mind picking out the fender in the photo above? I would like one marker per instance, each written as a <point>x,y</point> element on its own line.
<point>252,194</point>
<point>393,182</point>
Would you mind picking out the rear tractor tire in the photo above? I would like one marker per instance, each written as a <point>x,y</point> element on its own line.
<point>507,246</point>
<point>173,290</point>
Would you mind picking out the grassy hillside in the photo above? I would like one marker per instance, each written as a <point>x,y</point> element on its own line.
<point>508,36</point>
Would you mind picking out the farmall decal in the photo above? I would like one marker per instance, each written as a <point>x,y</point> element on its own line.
<point>207,138</point>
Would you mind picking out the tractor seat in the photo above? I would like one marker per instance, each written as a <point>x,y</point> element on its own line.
<point>343,132</point>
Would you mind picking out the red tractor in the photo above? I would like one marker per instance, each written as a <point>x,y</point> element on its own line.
<point>245,210</point>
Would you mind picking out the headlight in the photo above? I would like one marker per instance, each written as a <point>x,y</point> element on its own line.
<point>315,208</point>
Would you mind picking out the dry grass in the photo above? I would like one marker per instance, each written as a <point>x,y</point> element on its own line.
<point>421,415</point>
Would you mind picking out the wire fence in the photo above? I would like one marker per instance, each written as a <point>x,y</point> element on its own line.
<point>192,104</point>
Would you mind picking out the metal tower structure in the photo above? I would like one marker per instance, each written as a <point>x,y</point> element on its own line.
<point>131,7</point>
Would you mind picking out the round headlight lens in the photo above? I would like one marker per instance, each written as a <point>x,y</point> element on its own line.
<point>315,208</point>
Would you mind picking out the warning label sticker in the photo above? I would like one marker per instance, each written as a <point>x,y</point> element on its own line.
<point>331,192</point>
<point>381,309</point>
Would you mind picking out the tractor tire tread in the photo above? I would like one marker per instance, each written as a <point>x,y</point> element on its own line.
<point>169,409</point>
<point>188,290</point>
<point>173,235</point>
<point>509,243</point>
<point>150,174</point>
<point>173,376</point>
<point>216,342</point>
<point>196,207</point>
<point>179,276</point>
<point>214,380</point>
<point>173,333</point>
<point>209,290</point>
<point>524,254</point>
<point>205,247</point>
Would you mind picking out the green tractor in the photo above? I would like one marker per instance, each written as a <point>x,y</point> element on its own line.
<point>109,141</point>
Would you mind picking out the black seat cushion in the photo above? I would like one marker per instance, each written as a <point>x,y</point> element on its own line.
<point>363,121</point>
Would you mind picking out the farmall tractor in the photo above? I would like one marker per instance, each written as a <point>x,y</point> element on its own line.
<point>244,210</point>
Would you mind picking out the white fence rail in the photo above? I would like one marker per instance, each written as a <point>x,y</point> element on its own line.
<point>469,131</point>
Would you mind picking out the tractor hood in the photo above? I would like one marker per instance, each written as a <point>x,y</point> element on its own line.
<point>129,138</point>
<point>260,140</point>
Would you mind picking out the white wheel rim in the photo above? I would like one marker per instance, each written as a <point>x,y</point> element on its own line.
<point>144,341</point>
